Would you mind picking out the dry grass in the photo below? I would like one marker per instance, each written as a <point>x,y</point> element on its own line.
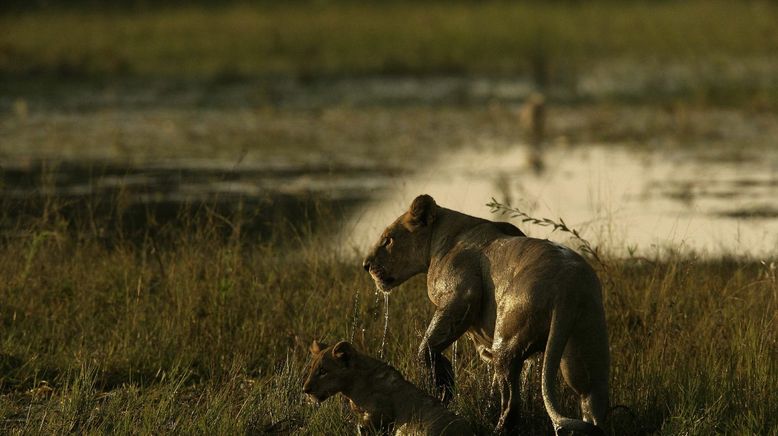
<point>196,330</point>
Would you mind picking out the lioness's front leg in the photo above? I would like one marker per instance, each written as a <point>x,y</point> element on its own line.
<point>449,323</point>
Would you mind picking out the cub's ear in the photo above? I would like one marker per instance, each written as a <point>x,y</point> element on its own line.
<point>316,347</point>
<point>421,212</point>
<point>343,351</point>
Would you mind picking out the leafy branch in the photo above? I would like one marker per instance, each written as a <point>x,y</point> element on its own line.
<point>585,246</point>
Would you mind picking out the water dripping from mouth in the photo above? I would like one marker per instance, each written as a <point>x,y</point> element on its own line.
<point>490,377</point>
<point>375,311</point>
<point>355,316</point>
<point>454,359</point>
<point>386,319</point>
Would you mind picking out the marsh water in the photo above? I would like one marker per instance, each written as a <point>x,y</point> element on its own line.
<point>627,200</point>
<point>632,180</point>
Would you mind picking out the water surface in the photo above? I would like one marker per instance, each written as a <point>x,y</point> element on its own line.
<point>624,199</point>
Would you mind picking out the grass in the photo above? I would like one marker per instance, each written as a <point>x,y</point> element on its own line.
<point>546,39</point>
<point>199,328</point>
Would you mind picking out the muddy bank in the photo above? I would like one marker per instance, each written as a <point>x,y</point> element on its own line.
<point>130,202</point>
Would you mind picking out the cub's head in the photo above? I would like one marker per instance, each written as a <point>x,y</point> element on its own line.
<point>331,370</point>
<point>403,250</point>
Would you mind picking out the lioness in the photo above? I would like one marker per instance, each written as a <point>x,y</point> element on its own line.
<point>513,295</point>
<point>382,397</point>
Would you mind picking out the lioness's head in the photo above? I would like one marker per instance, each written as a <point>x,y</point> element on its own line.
<point>403,250</point>
<point>330,371</point>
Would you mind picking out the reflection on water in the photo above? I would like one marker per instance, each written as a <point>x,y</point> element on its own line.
<point>623,199</point>
<point>627,200</point>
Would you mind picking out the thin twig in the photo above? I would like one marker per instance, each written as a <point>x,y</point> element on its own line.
<point>515,213</point>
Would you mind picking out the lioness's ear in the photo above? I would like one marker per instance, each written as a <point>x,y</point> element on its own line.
<point>422,211</point>
<point>343,351</point>
<point>316,347</point>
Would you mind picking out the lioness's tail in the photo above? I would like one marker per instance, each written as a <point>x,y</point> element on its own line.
<point>559,333</point>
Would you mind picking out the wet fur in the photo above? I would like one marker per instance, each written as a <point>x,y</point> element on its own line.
<point>514,296</point>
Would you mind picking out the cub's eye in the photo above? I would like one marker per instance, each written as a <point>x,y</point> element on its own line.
<point>387,241</point>
<point>322,372</point>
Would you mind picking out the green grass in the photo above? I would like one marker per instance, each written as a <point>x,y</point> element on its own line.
<point>333,38</point>
<point>190,331</point>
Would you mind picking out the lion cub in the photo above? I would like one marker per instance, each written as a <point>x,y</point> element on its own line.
<point>381,396</point>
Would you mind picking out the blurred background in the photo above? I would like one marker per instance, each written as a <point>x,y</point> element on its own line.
<point>647,125</point>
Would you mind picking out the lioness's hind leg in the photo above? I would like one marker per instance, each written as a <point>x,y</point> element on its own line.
<point>509,381</point>
<point>507,372</point>
<point>585,367</point>
<point>594,406</point>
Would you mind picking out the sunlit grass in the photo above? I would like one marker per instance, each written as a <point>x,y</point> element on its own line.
<point>193,330</point>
